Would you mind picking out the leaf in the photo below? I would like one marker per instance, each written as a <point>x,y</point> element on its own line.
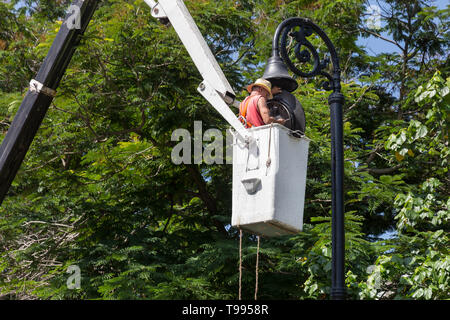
<point>326,251</point>
<point>421,132</point>
<point>399,157</point>
<point>428,292</point>
<point>13,106</point>
<point>386,179</point>
<point>418,293</point>
<point>444,91</point>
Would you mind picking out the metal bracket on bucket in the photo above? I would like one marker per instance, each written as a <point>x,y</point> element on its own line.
<point>251,185</point>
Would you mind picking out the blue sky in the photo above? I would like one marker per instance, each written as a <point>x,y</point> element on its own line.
<point>376,46</point>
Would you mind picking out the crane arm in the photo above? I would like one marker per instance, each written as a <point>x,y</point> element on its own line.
<point>195,44</point>
<point>42,90</point>
<point>215,87</point>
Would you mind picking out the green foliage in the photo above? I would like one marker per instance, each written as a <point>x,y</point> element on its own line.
<point>418,267</point>
<point>98,188</point>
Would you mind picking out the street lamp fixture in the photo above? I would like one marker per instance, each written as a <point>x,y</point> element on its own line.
<point>299,51</point>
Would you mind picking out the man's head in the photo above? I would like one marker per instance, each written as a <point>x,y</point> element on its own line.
<point>276,90</point>
<point>263,86</point>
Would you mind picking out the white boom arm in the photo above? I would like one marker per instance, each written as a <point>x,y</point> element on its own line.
<point>215,87</point>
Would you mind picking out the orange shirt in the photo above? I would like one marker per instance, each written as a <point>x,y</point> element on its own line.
<point>252,114</point>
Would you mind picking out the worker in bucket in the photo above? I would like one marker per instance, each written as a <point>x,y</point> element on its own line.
<point>253,111</point>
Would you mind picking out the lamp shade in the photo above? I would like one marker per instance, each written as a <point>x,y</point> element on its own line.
<point>277,73</point>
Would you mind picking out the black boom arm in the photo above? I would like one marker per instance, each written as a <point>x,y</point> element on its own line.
<point>42,90</point>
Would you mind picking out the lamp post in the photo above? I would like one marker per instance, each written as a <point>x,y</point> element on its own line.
<point>298,29</point>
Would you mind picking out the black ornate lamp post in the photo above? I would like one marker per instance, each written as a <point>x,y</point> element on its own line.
<point>299,29</point>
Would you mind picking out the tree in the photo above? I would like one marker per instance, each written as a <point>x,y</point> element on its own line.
<point>98,188</point>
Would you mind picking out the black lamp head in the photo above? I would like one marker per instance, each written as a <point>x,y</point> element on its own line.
<point>277,73</point>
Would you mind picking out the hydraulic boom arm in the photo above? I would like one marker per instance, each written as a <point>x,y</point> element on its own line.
<point>41,93</point>
<point>214,88</point>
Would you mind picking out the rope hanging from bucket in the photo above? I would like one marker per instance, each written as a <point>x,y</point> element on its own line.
<point>257,269</point>
<point>269,160</point>
<point>268,163</point>
<point>240,265</point>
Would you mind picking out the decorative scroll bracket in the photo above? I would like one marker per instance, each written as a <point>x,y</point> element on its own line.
<point>304,51</point>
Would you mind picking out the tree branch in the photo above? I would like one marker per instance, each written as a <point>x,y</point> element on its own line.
<point>382,38</point>
<point>205,196</point>
<point>375,171</point>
